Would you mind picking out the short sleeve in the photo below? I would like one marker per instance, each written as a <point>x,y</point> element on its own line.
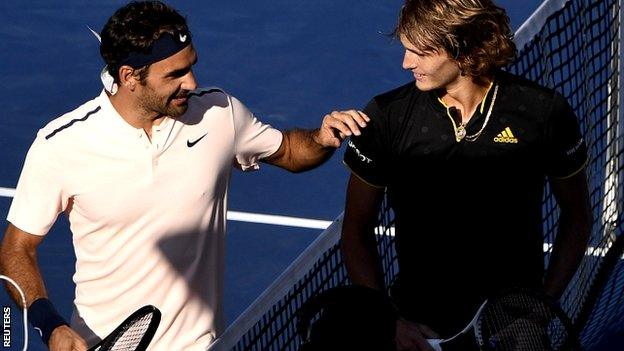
<point>254,140</point>
<point>566,149</point>
<point>364,154</point>
<point>39,197</point>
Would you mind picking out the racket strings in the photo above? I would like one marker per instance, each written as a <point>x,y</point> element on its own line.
<point>131,335</point>
<point>521,322</point>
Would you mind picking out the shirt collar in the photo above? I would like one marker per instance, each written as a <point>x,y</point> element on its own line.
<point>119,123</point>
<point>439,105</point>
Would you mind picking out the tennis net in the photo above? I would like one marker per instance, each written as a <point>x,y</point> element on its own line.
<point>572,46</point>
<point>575,47</point>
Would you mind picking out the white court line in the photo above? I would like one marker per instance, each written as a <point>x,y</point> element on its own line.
<point>277,220</point>
<point>246,217</point>
<point>7,192</point>
<point>307,223</point>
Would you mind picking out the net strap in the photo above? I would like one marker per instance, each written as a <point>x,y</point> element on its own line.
<point>535,23</point>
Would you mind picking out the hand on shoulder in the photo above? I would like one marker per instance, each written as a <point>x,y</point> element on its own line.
<point>339,125</point>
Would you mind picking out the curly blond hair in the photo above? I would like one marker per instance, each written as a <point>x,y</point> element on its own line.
<point>475,33</point>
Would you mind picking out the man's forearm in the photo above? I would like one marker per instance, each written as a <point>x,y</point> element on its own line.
<point>300,151</point>
<point>18,260</point>
<point>568,251</point>
<point>362,261</point>
<point>22,268</point>
<point>20,264</point>
<point>358,244</point>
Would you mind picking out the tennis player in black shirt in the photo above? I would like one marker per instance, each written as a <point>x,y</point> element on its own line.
<point>464,152</point>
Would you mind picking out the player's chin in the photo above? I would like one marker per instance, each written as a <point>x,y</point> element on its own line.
<point>425,86</point>
<point>176,111</point>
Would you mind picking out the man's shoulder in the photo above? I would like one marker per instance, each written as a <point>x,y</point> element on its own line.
<point>212,101</point>
<point>75,120</point>
<point>207,98</point>
<point>519,87</point>
<point>209,95</point>
<point>538,101</point>
<point>396,96</point>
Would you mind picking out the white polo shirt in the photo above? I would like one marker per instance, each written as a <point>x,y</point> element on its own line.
<point>147,218</point>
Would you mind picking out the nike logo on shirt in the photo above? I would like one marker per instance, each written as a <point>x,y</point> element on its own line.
<point>192,143</point>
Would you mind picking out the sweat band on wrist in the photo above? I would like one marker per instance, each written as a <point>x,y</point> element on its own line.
<point>44,318</point>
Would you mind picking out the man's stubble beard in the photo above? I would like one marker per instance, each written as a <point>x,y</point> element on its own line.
<point>161,106</point>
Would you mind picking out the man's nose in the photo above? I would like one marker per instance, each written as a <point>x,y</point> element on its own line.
<point>409,61</point>
<point>189,82</point>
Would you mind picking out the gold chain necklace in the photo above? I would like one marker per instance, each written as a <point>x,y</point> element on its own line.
<point>460,131</point>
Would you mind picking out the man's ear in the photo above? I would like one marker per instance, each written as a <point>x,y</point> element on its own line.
<point>127,78</point>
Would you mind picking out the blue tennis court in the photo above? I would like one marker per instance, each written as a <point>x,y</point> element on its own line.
<point>290,62</point>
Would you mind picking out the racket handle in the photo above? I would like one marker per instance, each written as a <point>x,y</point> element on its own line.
<point>435,344</point>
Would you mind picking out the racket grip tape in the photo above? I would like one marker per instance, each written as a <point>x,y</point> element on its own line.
<point>44,318</point>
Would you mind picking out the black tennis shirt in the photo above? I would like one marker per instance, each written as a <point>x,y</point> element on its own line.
<point>468,214</point>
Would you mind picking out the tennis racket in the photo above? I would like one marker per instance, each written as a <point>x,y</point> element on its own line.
<point>516,320</point>
<point>133,334</point>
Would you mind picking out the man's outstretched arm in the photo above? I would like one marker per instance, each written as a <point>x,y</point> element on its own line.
<point>18,261</point>
<point>302,150</point>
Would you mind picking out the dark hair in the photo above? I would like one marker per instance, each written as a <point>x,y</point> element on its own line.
<point>134,28</point>
<point>475,33</point>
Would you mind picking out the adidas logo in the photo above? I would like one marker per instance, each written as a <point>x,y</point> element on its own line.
<point>506,136</point>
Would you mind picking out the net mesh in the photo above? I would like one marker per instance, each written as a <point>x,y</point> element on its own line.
<point>575,50</point>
